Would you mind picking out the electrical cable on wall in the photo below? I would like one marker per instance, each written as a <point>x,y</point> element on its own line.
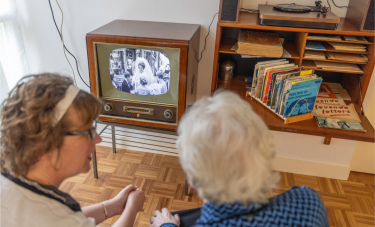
<point>62,40</point>
<point>60,34</point>
<point>205,39</point>
<point>329,5</point>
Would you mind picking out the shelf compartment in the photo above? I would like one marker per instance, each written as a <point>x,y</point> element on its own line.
<point>309,127</point>
<point>307,64</point>
<point>329,48</point>
<point>227,43</point>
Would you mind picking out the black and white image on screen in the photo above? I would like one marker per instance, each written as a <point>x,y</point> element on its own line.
<point>140,71</point>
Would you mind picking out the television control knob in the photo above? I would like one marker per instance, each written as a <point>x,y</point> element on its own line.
<point>168,114</point>
<point>108,107</point>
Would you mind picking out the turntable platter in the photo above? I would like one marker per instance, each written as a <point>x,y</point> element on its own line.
<point>293,8</point>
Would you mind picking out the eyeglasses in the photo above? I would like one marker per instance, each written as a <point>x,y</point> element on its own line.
<point>91,132</point>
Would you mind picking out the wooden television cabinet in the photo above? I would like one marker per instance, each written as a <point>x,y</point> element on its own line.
<point>130,110</point>
<point>295,40</point>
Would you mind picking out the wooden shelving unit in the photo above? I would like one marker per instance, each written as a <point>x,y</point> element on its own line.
<point>295,40</point>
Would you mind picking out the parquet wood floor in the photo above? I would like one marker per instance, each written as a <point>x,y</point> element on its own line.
<point>348,203</point>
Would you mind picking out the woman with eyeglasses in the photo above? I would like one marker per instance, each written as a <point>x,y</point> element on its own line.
<point>48,134</point>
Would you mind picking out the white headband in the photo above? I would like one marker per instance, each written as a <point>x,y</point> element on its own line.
<point>63,105</point>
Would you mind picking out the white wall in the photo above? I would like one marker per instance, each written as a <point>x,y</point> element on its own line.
<point>44,50</point>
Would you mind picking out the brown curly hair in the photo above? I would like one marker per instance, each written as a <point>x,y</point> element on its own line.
<point>27,117</point>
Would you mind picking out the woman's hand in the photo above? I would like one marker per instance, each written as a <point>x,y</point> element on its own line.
<point>164,217</point>
<point>135,200</point>
<point>120,200</point>
<point>133,205</point>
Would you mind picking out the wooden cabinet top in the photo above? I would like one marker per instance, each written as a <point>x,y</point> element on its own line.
<point>147,29</point>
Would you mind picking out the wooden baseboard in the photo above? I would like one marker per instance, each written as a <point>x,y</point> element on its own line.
<point>310,168</point>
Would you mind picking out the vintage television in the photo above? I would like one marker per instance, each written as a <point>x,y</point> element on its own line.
<point>145,72</point>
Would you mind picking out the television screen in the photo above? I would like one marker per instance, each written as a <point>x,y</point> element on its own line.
<point>140,71</point>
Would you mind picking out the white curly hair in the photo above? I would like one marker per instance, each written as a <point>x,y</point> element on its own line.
<point>226,150</point>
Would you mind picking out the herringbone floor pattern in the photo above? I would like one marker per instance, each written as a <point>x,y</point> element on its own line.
<point>349,203</point>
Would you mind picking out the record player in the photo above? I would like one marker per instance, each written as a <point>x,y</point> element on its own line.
<point>293,15</point>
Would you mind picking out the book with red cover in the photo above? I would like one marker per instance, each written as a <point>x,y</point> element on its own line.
<point>269,80</point>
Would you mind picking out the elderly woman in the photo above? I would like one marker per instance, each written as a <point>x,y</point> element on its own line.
<point>226,152</point>
<point>48,134</point>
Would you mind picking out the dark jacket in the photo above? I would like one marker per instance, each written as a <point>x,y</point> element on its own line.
<point>300,206</point>
<point>125,86</point>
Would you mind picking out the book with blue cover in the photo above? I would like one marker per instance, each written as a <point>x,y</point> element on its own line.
<point>280,92</point>
<point>314,45</point>
<point>288,86</point>
<point>300,93</point>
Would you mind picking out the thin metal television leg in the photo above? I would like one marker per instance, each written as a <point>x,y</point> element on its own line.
<point>94,164</point>
<point>113,139</point>
<point>186,187</point>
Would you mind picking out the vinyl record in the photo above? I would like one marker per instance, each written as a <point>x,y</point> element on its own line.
<point>293,8</point>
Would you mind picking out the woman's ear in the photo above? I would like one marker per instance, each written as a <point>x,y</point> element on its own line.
<point>50,158</point>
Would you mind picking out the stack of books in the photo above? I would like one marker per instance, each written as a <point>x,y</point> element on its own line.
<point>259,43</point>
<point>347,57</point>
<point>285,88</point>
<point>348,46</point>
<point>338,66</point>
<point>314,54</point>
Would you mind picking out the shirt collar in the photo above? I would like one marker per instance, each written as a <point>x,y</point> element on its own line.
<point>45,190</point>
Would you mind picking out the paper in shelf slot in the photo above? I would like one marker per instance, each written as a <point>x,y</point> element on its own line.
<point>314,54</point>
<point>348,46</point>
<point>360,58</point>
<point>314,45</point>
<point>355,38</point>
<point>337,66</point>
<point>324,37</point>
